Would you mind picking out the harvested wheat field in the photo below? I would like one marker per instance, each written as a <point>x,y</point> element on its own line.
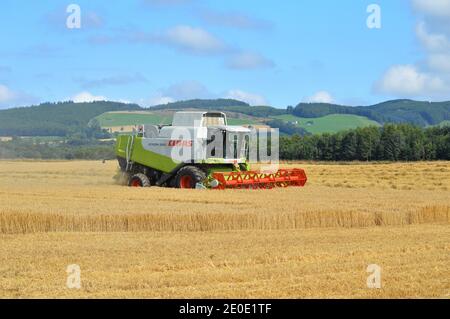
<point>308,242</point>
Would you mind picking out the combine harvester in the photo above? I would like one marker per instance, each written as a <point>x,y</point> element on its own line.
<point>199,150</point>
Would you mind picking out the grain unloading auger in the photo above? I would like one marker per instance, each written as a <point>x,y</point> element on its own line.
<point>199,150</point>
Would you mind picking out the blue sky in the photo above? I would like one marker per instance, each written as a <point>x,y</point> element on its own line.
<point>264,52</point>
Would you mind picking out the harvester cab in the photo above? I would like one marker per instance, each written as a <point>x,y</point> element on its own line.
<point>199,150</point>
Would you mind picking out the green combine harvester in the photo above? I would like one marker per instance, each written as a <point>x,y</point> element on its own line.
<point>199,150</point>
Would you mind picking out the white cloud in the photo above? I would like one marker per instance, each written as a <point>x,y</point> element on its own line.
<point>250,98</point>
<point>182,37</point>
<point>194,39</point>
<point>406,80</point>
<point>432,41</point>
<point>13,98</point>
<point>439,62</point>
<point>6,95</point>
<point>431,79</point>
<point>83,97</point>
<point>437,8</point>
<point>248,61</point>
<point>159,100</point>
<point>320,97</point>
<point>187,90</point>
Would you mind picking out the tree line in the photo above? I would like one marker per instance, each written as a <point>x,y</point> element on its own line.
<point>392,142</point>
<point>68,150</point>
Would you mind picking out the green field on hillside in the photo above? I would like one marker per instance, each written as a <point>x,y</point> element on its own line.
<point>327,124</point>
<point>112,119</point>
<point>330,123</point>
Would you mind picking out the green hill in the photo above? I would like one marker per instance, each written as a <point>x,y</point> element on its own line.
<point>329,123</point>
<point>227,105</point>
<point>200,104</point>
<point>129,118</point>
<point>111,119</point>
<point>396,111</point>
<point>413,112</point>
<point>54,119</point>
<point>68,118</point>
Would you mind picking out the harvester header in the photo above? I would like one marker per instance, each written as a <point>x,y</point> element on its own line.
<point>199,150</point>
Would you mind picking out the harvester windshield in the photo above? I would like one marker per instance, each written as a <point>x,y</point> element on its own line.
<point>199,119</point>
<point>214,119</point>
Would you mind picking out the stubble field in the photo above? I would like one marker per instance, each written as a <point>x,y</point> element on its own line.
<point>315,241</point>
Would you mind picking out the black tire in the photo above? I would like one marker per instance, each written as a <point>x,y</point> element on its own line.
<point>139,180</point>
<point>188,177</point>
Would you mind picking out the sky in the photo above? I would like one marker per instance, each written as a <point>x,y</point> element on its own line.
<point>264,52</point>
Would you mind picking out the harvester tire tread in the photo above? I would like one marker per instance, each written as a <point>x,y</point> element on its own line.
<point>142,178</point>
<point>194,172</point>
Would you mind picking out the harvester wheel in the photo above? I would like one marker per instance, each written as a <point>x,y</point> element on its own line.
<point>139,180</point>
<point>189,176</point>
